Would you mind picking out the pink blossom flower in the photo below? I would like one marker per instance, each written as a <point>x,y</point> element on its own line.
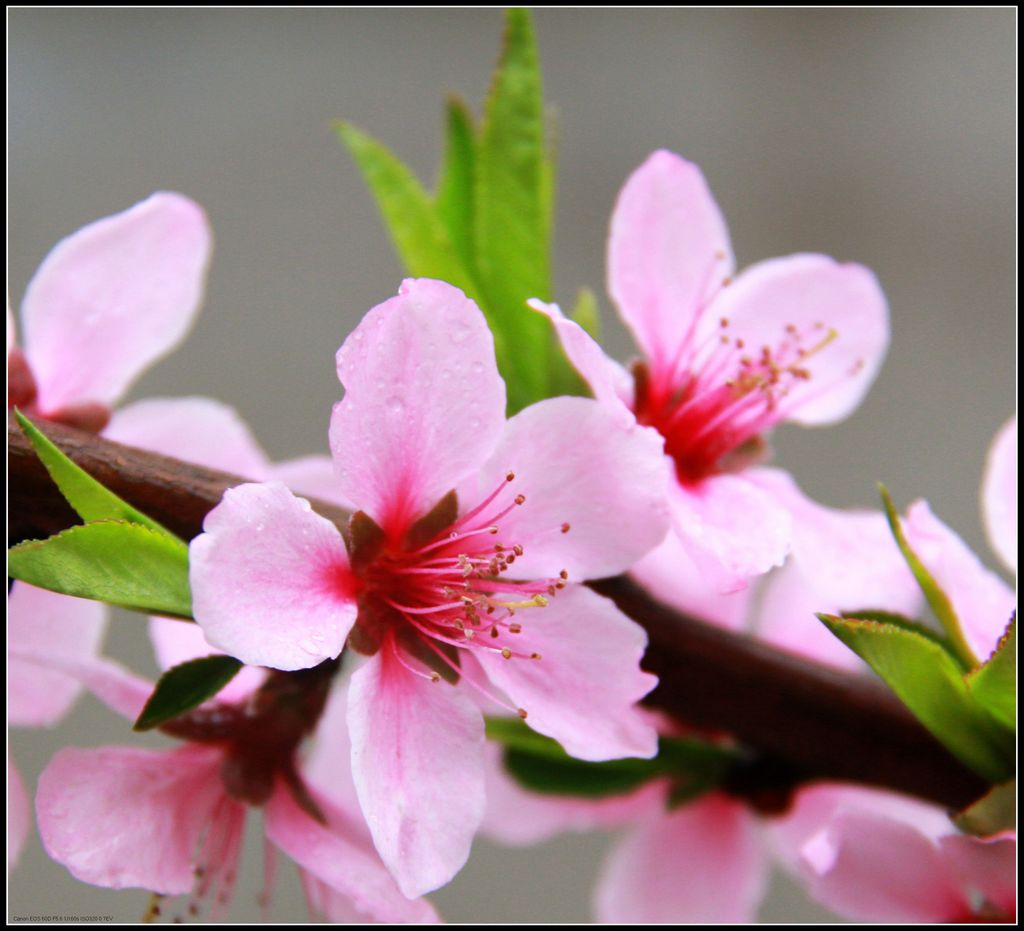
<point>106,303</point>
<point>478,585</point>
<point>867,854</point>
<point>791,339</point>
<point>172,821</point>
<point>877,856</point>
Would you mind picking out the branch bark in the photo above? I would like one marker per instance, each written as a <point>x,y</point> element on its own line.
<point>819,722</point>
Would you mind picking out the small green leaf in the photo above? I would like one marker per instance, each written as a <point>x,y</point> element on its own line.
<point>994,812</point>
<point>513,214</point>
<point>937,599</point>
<point>91,500</point>
<point>897,620</point>
<point>419,235</point>
<point>185,686</point>
<point>540,764</point>
<point>586,313</point>
<point>454,200</point>
<point>929,682</point>
<point>123,564</point>
<point>994,684</point>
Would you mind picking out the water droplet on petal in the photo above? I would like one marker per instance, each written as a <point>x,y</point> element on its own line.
<point>394,404</point>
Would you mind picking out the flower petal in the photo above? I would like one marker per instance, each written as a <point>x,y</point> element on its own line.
<point>999,494</point>
<point>987,865</point>
<point>611,383</point>
<point>270,579</point>
<point>345,865</point>
<point>668,252</point>
<point>113,298</point>
<point>701,863</point>
<point>49,625</point>
<point>417,761</point>
<point>577,465</point>
<point>313,476</point>
<point>669,573</point>
<point>732,529</point>
<point>840,561</point>
<point>584,689</point>
<point>424,404</point>
<point>123,817</point>
<point>982,601</point>
<point>871,868</point>
<point>198,430</point>
<point>18,818</point>
<point>816,295</point>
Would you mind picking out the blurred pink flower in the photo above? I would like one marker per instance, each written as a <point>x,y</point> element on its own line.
<point>791,339</point>
<point>172,821</point>
<point>560,493</point>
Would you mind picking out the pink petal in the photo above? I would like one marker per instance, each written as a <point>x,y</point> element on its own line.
<point>198,430</point>
<point>670,575</point>
<point>270,579</point>
<point>731,528</point>
<point>611,383</point>
<point>417,761</point>
<point>124,818</point>
<point>999,494</point>
<point>424,404</point>
<point>817,805</point>
<point>814,294</point>
<point>120,690</point>
<point>328,766</point>
<point>584,689</point>
<point>341,862</point>
<point>175,642</point>
<point>313,476</point>
<point>668,252</point>
<point>699,864</point>
<point>19,821</point>
<point>50,625</point>
<point>786,619</point>
<point>581,466</point>
<point>983,602</point>
<point>519,818</point>
<point>840,561</point>
<point>988,866</point>
<point>871,868</point>
<point>113,298</point>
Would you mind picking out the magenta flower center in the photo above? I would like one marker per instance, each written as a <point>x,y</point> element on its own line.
<point>714,410</point>
<point>455,589</point>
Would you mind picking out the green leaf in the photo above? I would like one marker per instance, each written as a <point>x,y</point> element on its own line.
<point>897,620</point>
<point>121,563</point>
<point>454,200</point>
<point>929,682</point>
<point>586,313</point>
<point>183,687</point>
<point>91,500</point>
<point>994,812</point>
<point>540,764</point>
<point>420,237</point>
<point>994,685</point>
<point>937,599</point>
<point>513,214</point>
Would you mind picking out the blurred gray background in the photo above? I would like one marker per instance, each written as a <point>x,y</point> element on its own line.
<point>882,136</point>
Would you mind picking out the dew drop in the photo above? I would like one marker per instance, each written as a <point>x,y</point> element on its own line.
<point>394,404</point>
<point>460,332</point>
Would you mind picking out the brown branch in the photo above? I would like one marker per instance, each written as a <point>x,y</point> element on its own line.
<point>820,722</point>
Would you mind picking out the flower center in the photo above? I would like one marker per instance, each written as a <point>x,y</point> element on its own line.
<point>713,415</point>
<point>446,586</point>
